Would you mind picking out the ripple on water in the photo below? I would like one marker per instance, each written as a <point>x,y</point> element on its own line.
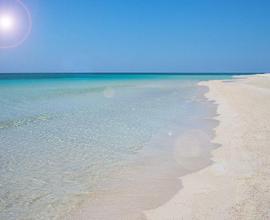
<point>64,143</point>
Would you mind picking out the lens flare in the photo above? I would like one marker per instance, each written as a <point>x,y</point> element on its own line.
<point>15,23</point>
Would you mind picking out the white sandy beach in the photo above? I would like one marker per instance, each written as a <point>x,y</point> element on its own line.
<point>237,184</point>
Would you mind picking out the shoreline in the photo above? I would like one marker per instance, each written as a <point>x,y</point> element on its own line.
<point>125,162</point>
<point>237,184</point>
<point>157,168</point>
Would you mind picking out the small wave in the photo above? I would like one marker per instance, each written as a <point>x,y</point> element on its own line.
<point>21,122</point>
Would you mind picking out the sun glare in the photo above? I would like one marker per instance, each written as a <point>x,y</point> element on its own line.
<point>15,23</point>
<point>6,22</point>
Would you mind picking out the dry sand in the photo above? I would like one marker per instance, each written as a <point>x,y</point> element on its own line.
<point>237,184</point>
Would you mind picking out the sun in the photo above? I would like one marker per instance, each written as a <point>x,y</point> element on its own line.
<point>7,22</point>
<point>15,23</point>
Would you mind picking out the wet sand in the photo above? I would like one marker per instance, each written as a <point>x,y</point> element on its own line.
<point>152,178</point>
<point>237,184</point>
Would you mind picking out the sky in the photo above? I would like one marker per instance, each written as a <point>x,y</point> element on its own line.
<point>144,36</point>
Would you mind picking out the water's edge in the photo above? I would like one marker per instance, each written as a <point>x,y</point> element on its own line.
<point>166,189</point>
<point>72,147</point>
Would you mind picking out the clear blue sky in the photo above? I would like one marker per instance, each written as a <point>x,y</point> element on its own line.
<point>144,36</point>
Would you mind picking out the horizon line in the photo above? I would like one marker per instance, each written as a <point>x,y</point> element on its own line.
<point>142,73</point>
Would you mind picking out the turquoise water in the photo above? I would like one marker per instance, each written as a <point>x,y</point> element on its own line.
<point>65,139</point>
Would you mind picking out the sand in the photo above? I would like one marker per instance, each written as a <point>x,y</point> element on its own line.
<point>237,184</point>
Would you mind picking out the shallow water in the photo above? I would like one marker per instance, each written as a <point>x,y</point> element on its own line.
<point>89,143</point>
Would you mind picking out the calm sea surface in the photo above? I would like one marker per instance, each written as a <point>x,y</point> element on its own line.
<point>79,142</point>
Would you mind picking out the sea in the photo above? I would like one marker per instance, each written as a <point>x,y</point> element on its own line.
<point>100,146</point>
